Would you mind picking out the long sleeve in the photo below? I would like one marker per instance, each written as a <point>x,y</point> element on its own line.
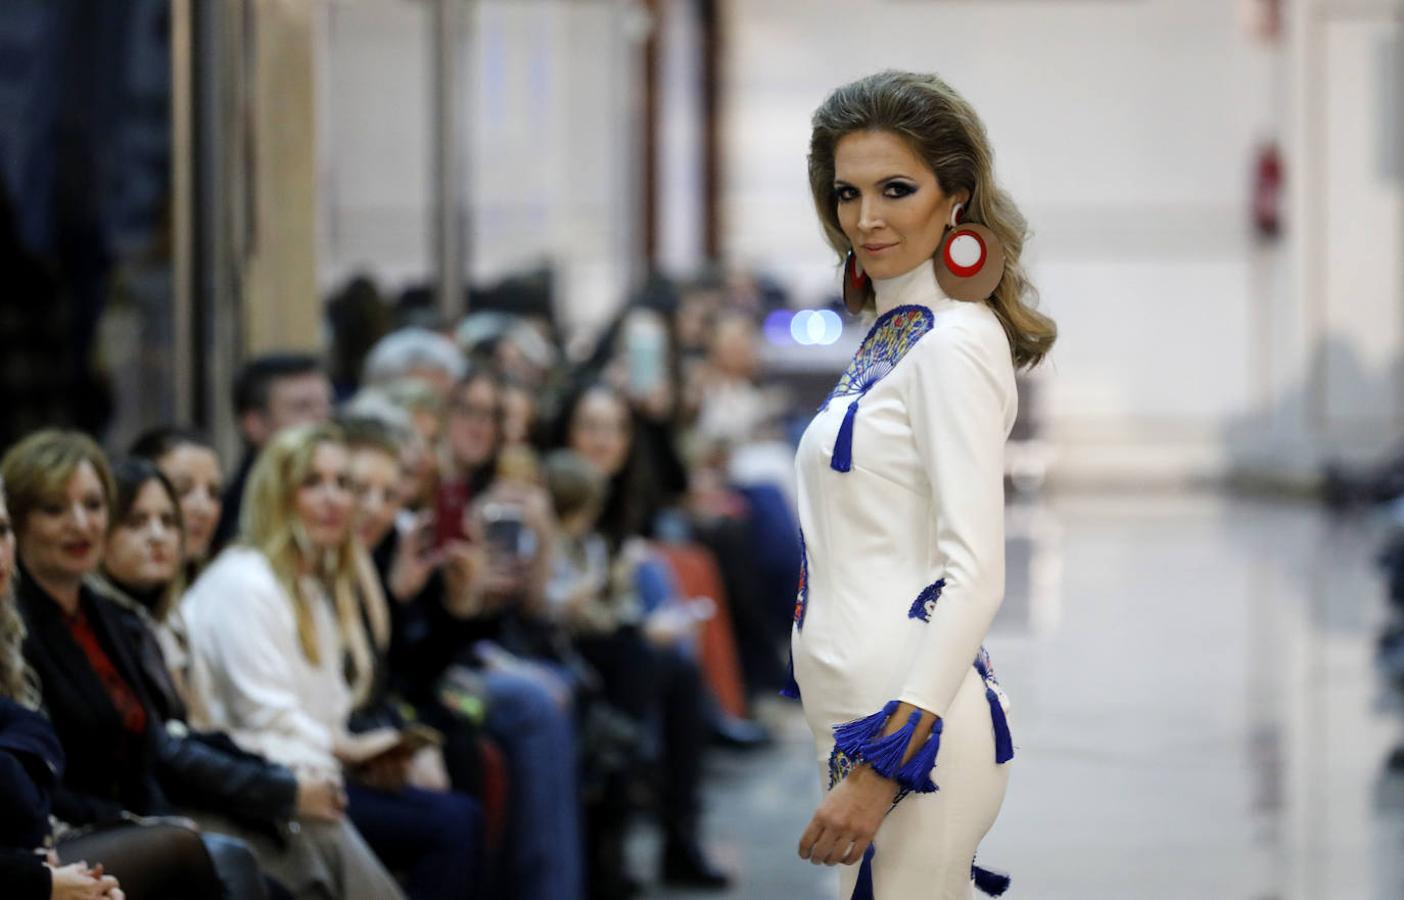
<point>24,875</point>
<point>959,401</point>
<point>243,624</point>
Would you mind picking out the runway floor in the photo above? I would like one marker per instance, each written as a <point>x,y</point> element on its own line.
<point>1199,716</point>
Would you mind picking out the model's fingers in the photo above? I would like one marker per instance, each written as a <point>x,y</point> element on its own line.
<point>811,834</point>
<point>854,854</point>
<point>823,850</point>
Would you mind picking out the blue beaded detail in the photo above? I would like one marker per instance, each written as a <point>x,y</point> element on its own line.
<point>892,335</point>
<point>802,591</point>
<point>925,603</point>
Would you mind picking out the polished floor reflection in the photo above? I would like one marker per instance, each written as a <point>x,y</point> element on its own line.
<point>1195,710</point>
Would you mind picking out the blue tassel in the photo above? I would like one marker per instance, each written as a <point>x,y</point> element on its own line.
<point>863,887</point>
<point>917,771</point>
<point>992,883</point>
<point>842,460</point>
<point>1004,743</point>
<point>849,736</point>
<point>791,688</point>
<point>858,740</point>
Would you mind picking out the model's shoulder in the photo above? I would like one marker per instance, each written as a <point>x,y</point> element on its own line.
<point>965,329</point>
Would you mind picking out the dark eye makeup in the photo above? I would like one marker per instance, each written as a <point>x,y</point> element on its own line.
<point>892,188</point>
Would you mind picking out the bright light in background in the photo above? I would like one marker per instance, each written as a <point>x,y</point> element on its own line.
<point>807,327</point>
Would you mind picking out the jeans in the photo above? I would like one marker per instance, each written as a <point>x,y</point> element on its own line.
<point>543,831</point>
<point>435,838</point>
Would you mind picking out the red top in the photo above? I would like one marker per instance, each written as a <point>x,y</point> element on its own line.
<point>128,705</point>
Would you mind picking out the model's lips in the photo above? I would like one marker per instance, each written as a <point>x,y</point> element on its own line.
<point>79,549</point>
<point>877,248</point>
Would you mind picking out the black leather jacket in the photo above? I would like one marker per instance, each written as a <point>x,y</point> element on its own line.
<point>173,767</point>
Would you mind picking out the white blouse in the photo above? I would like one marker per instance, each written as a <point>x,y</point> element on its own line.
<point>262,688</point>
<point>901,507</point>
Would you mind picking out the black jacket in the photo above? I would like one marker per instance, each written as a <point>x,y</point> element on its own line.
<point>167,767</point>
<point>31,762</point>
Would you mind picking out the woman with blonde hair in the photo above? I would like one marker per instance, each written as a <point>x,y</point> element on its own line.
<point>901,491</point>
<point>294,823</point>
<point>276,618</point>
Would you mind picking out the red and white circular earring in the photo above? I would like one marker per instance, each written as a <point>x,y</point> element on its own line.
<point>856,284</point>
<point>970,262</point>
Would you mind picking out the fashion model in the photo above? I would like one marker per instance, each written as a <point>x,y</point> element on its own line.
<point>901,493</point>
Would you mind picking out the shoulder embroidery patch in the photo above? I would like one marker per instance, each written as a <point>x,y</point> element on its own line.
<point>892,335</point>
<point>925,603</point>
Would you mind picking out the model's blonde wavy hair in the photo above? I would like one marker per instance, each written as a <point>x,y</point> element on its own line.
<point>268,522</point>
<point>17,679</point>
<point>943,129</point>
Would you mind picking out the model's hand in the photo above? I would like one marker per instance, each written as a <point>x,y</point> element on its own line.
<point>847,820</point>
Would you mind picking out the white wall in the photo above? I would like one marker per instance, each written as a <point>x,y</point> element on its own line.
<point>1126,131</point>
<point>550,112</point>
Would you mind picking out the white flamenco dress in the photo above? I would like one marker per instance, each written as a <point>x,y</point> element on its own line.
<point>901,506</point>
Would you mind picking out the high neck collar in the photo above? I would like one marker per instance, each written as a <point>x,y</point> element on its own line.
<point>918,286</point>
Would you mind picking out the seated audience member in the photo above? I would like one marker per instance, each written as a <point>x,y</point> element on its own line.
<point>417,354</point>
<point>645,673</point>
<point>189,461</point>
<point>31,761</point>
<point>271,393</point>
<point>277,621</point>
<point>436,594</point>
<point>118,759</point>
<point>412,407</point>
<point>295,824</point>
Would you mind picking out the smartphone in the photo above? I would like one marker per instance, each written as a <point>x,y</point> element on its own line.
<point>449,507</point>
<point>506,532</point>
<point>645,353</point>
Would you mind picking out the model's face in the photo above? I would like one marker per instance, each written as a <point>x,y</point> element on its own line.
<point>7,551</point>
<point>143,550</point>
<point>601,431</point>
<point>324,501</point>
<point>377,479</point>
<point>194,471</point>
<point>472,423</point>
<point>889,204</point>
<point>62,539</point>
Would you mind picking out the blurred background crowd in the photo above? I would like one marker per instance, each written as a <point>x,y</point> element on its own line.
<point>468,342</point>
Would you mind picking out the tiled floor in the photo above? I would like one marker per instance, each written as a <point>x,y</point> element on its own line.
<point>1196,715</point>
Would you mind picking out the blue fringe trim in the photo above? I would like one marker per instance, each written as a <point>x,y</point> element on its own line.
<point>842,460</point>
<point>929,595</point>
<point>992,883</point>
<point>791,688</point>
<point>1004,741</point>
<point>859,741</point>
<point>863,887</point>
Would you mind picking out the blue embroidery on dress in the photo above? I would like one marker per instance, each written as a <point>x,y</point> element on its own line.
<point>925,603</point>
<point>892,335</point>
<point>840,766</point>
<point>802,593</point>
